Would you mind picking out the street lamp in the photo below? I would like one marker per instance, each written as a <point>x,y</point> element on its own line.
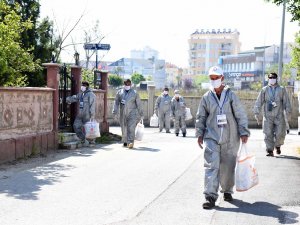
<point>280,63</point>
<point>76,56</point>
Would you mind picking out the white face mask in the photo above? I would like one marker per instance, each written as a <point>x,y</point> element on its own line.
<point>216,83</point>
<point>127,87</point>
<point>165,92</point>
<point>83,88</point>
<point>176,95</point>
<point>272,81</point>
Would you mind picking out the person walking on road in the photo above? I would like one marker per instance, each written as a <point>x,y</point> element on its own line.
<point>178,113</point>
<point>221,123</point>
<point>128,102</point>
<point>163,110</point>
<point>275,100</point>
<point>87,108</point>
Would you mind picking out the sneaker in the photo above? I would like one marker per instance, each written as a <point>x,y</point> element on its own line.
<point>278,151</point>
<point>124,144</point>
<point>209,203</point>
<point>130,145</point>
<point>168,131</point>
<point>184,134</point>
<point>177,134</point>
<point>92,144</point>
<point>287,131</point>
<point>227,197</point>
<point>270,153</point>
<point>160,130</point>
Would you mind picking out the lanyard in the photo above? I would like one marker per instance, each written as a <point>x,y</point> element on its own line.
<point>273,93</point>
<point>221,108</point>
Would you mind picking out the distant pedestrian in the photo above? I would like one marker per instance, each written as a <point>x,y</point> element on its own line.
<point>178,113</point>
<point>128,103</point>
<point>275,101</point>
<point>87,110</point>
<point>221,123</point>
<point>163,110</point>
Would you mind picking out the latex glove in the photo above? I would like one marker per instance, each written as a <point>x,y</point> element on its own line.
<point>142,118</point>
<point>115,117</point>
<point>92,117</point>
<point>257,120</point>
<point>200,142</point>
<point>155,112</point>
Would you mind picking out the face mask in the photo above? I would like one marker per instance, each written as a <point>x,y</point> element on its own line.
<point>83,88</point>
<point>216,83</point>
<point>272,81</point>
<point>176,95</point>
<point>165,92</point>
<point>127,88</point>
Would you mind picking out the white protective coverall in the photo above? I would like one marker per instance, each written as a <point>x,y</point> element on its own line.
<point>131,112</point>
<point>274,125</point>
<point>163,108</point>
<point>178,112</point>
<point>221,141</point>
<point>87,110</point>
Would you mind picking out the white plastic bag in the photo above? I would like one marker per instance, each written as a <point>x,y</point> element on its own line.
<point>188,114</point>
<point>91,129</point>
<point>154,121</point>
<point>246,175</point>
<point>139,131</point>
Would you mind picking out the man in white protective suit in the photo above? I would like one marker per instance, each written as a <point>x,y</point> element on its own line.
<point>221,124</point>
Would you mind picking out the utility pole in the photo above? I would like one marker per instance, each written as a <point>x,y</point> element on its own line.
<point>280,61</point>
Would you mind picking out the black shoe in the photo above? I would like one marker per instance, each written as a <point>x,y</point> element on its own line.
<point>287,131</point>
<point>124,144</point>
<point>270,153</point>
<point>168,131</point>
<point>184,134</point>
<point>278,151</point>
<point>227,197</point>
<point>209,203</point>
<point>177,134</point>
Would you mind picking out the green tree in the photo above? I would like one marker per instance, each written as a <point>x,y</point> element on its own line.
<point>295,63</point>
<point>292,6</point>
<point>137,78</point>
<point>14,59</point>
<point>40,39</point>
<point>115,80</point>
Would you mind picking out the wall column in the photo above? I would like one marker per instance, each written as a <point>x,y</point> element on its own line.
<point>151,95</point>
<point>53,82</point>
<point>104,80</point>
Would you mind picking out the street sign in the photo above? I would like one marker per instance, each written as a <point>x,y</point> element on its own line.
<point>96,46</point>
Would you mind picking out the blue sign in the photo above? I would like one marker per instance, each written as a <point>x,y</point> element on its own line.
<point>96,46</point>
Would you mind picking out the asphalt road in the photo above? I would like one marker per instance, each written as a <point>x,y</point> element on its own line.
<point>159,182</point>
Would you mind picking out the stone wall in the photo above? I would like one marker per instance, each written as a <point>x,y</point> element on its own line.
<point>26,122</point>
<point>193,103</point>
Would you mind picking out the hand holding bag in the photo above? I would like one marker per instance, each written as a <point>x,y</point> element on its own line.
<point>92,130</point>
<point>139,131</point>
<point>246,175</point>
<point>154,121</point>
<point>188,114</point>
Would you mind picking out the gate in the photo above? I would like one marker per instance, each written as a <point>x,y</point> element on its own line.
<point>65,82</point>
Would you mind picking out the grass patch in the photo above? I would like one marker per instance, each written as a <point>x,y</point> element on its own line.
<point>108,138</point>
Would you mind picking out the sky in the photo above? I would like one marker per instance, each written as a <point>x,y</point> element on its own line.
<point>165,25</point>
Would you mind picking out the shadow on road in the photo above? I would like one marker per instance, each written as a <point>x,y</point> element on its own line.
<point>287,157</point>
<point>28,183</point>
<point>262,209</point>
<point>146,149</point>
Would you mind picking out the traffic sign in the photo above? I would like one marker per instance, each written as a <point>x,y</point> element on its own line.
<point>96,46</point>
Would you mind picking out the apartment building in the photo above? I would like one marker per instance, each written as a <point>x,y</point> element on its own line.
<point>206,47</point>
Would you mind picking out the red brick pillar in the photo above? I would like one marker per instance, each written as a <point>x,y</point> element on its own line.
<point>75,89</point>
<point>104,80</point>
<point>53,82</point>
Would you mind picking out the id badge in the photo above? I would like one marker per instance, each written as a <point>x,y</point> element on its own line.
<point>221,120</point>
<point>166,102</point>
